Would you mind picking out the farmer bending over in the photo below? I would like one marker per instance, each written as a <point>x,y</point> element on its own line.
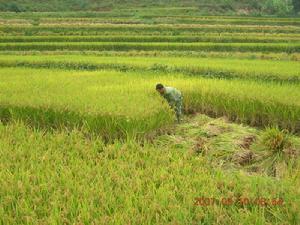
<point>174,98</point>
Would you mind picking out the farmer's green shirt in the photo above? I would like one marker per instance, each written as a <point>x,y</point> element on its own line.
<point>172,95</point>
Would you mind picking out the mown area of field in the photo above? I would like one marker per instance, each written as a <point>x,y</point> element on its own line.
<point>85,138</point>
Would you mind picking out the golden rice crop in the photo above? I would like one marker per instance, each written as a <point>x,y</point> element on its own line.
<point>119,103</point>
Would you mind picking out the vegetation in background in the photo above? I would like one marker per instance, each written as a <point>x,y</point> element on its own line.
<point>273,7</point>
<point>279,7</point>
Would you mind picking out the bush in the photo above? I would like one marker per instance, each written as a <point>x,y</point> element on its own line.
<point>296,4</point>
<point>279,7</point>
<point>12,7</point>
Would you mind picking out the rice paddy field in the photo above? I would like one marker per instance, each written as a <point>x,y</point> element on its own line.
<point>85,138</point>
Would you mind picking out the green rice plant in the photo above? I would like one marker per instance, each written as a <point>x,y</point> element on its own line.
<point>152,38</point>
<point>170,20</point>
<point>228,20</point>
<point>244,102</point>
<point>267,70</point>
<point>63,177</point>
<point>96,102</point>
<point>279,56</point>
<point>81,14</point>
<point>76,131</point>
<point>51,98</point>
<point>146,29</point>
<point>149,46</point>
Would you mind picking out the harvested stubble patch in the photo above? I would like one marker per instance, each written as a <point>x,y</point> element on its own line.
<point>233,146</point>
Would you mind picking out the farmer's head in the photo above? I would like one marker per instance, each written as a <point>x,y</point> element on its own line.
<point>160,88</point>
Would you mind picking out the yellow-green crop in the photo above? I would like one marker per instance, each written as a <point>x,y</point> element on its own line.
<point>114,102</point>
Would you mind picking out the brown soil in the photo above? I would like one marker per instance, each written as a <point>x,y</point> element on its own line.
<point>243,157</point>
<point>200,145</point>
<point>247,141</point>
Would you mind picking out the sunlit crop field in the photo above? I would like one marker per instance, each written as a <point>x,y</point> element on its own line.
<point>85,138</point>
